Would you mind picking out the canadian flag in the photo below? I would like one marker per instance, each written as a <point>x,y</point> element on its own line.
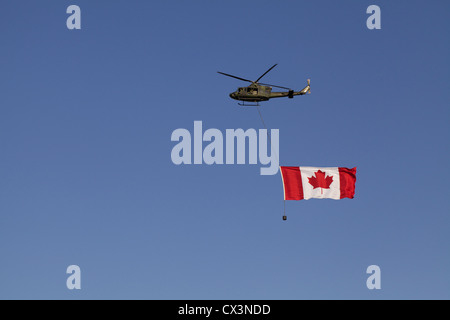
<point>323,183</point>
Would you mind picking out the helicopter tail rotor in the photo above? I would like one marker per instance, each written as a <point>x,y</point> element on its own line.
<point>306,89</point>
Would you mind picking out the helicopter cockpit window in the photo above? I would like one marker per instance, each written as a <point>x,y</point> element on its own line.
<point>252,90</point>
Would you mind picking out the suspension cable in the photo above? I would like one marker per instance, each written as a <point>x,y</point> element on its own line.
<point>269,138</point>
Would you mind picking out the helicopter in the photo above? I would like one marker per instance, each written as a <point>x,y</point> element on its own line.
<point>258,92</point>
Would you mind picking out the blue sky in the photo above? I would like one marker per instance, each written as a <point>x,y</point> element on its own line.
<point>86,176</point>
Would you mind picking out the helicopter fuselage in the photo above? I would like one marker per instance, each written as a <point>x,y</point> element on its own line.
<point>252,93</point>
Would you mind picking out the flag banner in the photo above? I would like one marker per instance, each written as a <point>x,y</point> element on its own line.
<point>303,183</point>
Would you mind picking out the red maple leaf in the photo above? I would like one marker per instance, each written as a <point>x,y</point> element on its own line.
<point>319,181</point>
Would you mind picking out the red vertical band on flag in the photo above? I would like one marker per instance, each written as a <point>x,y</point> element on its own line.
<point>347,179</point>
<point>292,182</point>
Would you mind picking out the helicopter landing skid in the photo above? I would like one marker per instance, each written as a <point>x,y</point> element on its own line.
<point>248,105</point>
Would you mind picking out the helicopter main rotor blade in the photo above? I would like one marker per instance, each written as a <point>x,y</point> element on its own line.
<point>266,72</point>
<point>271,85</point>
<point>229,75</point>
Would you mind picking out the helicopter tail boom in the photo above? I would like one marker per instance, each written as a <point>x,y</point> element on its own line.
<point>291,93</point>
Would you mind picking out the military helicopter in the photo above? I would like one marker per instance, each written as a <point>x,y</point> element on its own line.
<point>257,92</point>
